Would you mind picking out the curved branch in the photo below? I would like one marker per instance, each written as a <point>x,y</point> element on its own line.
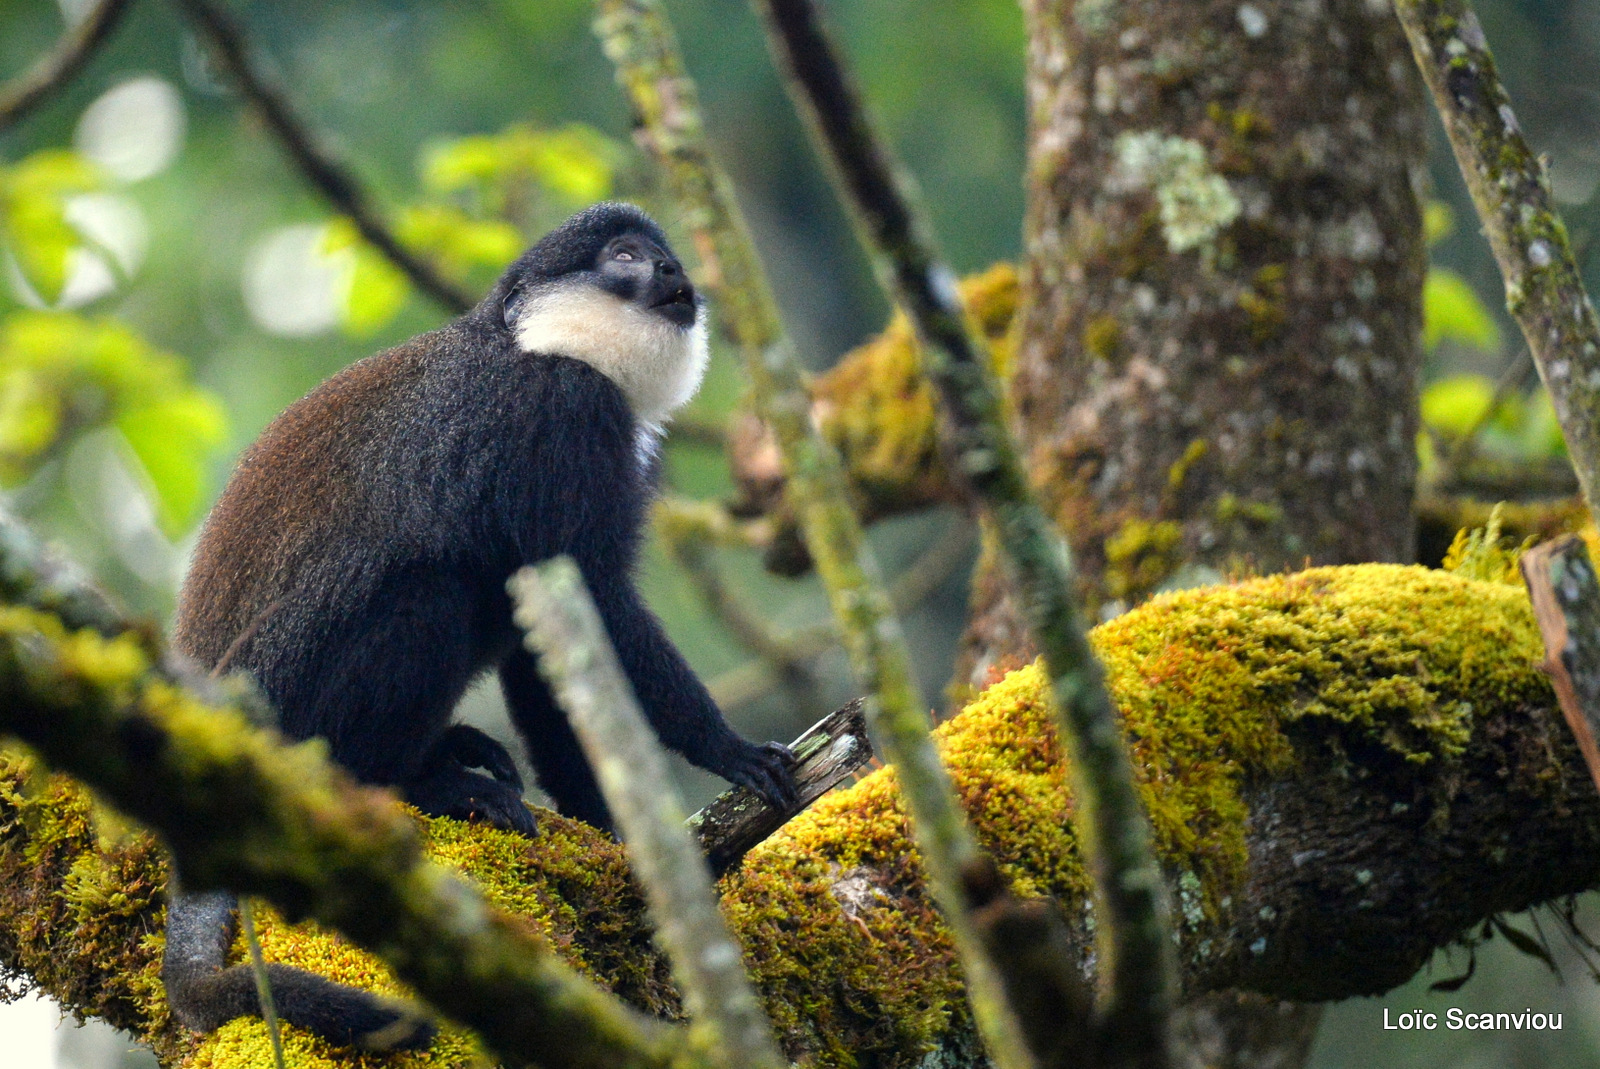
<point>41,81</point>
<point>227,44</point>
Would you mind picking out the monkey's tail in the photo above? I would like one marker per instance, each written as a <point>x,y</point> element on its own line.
<point>205,994</point>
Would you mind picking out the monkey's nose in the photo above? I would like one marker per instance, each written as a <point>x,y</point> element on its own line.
<point>667,269</point>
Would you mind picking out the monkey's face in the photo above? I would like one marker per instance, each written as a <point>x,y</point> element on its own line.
<point>604,289</point>
<point>638,270</point>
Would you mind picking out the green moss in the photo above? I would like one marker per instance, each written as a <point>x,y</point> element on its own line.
<point>1102,337</point>
<point>1140,554</point>
<point>877,408</point>
<point>1266,302</point>
<point>1274,677</point>
<point>1179,471</point>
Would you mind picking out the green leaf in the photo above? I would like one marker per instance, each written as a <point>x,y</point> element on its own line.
<point>1438,221</point>
<point>1450,309</point>
<point>1541,433</point>
<point>378,289</point>
<point>457,241</point>
<point>62,374</point>
<point>1456,404</point>
<point>34,194</point>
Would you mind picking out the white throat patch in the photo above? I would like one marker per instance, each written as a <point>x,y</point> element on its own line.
<point>657,364</point>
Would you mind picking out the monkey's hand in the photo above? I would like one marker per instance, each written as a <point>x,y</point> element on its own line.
<point>447,787</point>
<point>767,769</point>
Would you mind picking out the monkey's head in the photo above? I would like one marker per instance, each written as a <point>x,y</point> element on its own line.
<point>605,288</point>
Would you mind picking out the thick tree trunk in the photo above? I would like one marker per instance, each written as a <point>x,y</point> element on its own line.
<point>1219,347</point>
<point>1218,356</point>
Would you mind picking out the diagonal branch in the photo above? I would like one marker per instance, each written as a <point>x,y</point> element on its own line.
<point>576,657</point>
<point>1136,943</point>
<point>1509,187</point>
<point>226,41</point>
<point>41,81</point>
<point>639,40</point>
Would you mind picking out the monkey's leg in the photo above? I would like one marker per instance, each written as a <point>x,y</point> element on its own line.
<point>204,994</point>
<point>553,749</point>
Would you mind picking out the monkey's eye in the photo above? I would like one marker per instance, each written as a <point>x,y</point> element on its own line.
<point>623,254</point>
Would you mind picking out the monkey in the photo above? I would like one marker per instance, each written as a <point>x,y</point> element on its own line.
<point>355,567</point>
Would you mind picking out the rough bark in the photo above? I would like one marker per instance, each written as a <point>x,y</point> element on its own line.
<point>1214,375</point>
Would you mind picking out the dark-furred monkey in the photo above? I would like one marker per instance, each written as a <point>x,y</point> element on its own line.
<point>356,566</point>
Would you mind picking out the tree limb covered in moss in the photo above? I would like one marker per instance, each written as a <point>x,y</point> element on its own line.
<point>335,182</point>
<point>638,38</point>
<point>1348,768</point>
<point>1510,189</point>
<point>562,626</point>
<point>41,81</point>
<point>240,811</point>
<point>1136,946</point>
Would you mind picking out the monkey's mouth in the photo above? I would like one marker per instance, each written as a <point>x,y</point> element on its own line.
<point>678,306</point>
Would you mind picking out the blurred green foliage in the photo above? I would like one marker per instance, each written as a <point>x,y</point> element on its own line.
<point>63,375</point>
<point>34,195</point>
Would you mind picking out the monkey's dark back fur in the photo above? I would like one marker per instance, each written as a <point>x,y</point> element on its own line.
<point>358,558</point>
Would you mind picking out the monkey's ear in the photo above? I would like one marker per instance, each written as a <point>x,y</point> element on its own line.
<point>508,306</point>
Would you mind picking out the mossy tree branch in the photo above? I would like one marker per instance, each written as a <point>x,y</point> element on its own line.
<point>1510,189</point>
<point>1348,768</point>
<point>639,40</point>
<point>334,181</point>
<point>239,810</point>
<point>41,81</point>
<point>1136,947</point>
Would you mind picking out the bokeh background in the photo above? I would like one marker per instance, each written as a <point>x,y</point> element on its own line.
<point>205,287</point>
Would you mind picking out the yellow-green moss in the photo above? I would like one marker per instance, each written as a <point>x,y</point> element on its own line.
<point>571,884</point>
<point>878,410</point>
<point>1102,337</point>
<point>1217,687</point>
<point>1140,554</point>
<point>1385,667</point>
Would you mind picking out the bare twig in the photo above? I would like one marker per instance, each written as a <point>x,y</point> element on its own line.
<point>227,44</point>
<point>41,81</point>
<point>564,629</point>
<point>1136,936</point>
<point>736,820</point>
<point>1510,189</point>
<point>638,38</point>
<point>757,678</point>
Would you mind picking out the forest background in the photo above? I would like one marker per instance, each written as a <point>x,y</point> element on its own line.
<point>477,126</point>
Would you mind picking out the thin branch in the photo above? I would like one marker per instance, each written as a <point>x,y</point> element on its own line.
<point>575,656</point>
<point>1466,445</point>
<point>1136,940</point>
<point>758,678</point>
<point>833,749</point>
<point>640,42</point>
<point>227,44</point>
<point>90,693</point>
<point>41,81</point>
<point>1510,189</point>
